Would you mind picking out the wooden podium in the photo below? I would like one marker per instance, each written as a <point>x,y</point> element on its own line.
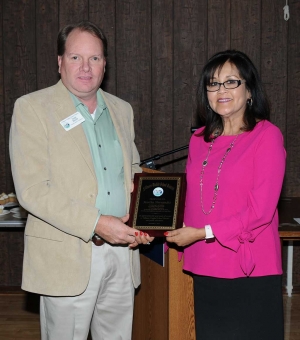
<point>164,303</point>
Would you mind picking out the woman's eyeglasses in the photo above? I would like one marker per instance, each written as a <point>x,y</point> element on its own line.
<point>229,85</point>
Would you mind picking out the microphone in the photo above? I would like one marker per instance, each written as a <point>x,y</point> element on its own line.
<point>194,128</point>
<point>149,162</point>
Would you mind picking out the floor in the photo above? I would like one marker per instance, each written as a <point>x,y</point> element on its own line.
<point>19,318</point>
<point>292,317</point>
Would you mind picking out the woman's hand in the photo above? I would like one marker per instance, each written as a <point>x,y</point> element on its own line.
<point>185,236</point>
<point>141,238</point>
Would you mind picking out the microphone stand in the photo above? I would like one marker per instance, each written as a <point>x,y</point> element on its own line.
<point>149,162</point>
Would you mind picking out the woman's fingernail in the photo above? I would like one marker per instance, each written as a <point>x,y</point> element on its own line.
<point>141,233</point>
<point>136,233</point>
<point>166,233</point>
<point>146,234</point>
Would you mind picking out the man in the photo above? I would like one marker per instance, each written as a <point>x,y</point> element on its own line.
<point>73,158</point>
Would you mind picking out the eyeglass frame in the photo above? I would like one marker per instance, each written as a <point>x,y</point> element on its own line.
<point>239,82</point>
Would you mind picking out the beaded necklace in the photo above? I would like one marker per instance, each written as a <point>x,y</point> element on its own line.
<point>216,187</point>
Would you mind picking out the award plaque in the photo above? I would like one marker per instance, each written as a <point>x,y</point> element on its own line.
<point>157,202</point>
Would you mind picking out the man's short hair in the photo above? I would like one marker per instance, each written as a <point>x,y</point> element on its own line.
<point>84,26</point>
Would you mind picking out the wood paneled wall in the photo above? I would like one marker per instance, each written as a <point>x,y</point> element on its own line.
<point>157,49</point>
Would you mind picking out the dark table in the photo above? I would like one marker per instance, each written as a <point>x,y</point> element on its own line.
<point>8,221</point>
<point>289,229</point>
<point>289,208</point>
<point>11,248</point>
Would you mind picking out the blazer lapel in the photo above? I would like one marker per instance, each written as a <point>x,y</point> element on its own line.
<point>118,123</point>
<point>65,108</point>
<point>117,119</point>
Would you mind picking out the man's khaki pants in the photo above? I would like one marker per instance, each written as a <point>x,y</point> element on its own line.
<point>106,306</point>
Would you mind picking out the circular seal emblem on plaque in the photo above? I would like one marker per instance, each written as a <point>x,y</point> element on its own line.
<point>158,191</point>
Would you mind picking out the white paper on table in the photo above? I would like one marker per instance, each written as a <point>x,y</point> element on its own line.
<point>297,220</point>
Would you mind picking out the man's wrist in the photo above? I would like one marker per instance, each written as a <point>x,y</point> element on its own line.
<point>94,232</point>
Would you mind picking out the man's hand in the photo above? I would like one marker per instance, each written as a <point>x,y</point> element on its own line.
<point>114,231</point>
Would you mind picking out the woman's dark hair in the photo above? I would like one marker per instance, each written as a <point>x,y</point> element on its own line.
<point>256,109</point>
<point>84,26</point>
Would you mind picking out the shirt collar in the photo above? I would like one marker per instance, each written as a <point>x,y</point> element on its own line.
<point>101,106</point>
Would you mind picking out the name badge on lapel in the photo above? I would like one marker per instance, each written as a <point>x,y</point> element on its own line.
<point>72,121</point>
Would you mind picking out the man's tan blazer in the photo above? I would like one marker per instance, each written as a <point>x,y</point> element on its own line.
<point>55,181</point>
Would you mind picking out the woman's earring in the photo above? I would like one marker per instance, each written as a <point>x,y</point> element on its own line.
<point>250,102</point>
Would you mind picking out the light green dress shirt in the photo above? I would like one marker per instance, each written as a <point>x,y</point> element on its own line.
<point>107,156</point>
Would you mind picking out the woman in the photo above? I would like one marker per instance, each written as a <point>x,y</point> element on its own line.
<point>235,171</point>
